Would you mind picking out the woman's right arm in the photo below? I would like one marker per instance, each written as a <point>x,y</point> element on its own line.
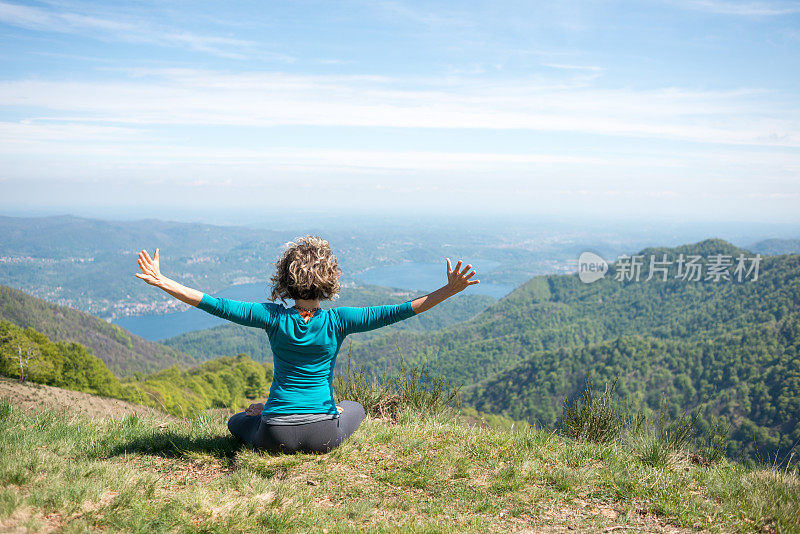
<point>245,313</point>
<point>151,273</point>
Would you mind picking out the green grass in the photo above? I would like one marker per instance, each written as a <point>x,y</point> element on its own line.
<point>419,473</point>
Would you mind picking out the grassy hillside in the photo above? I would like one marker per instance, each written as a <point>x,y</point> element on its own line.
<point>31,396</point>
<point>233,339</point>
<point>420,474</point>
<point>123,352</point>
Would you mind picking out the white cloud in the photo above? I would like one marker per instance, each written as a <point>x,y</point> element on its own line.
<point>124,144</point>
<point>419,16</point>
<point>34,18</point>
<point>30,132</point>
<point>213,98</point>
<point>744,8</point>
<point>590,68</point>
<point>74,153</point>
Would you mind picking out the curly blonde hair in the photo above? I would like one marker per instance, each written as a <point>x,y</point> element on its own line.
<point>306,270</point>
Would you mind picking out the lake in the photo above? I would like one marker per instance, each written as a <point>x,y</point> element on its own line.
<point>158,327</point>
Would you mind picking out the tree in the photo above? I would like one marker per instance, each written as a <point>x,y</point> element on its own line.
<point>32,353</point>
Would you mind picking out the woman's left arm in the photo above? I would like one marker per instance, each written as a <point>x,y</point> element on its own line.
<point>151,273</point>
<point>457,280</point>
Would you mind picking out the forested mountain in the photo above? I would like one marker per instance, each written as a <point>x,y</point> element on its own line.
<point>749,377</point>
<point>232,338</point>
<point>550,312</point>
<point>123,352</point>
<point>731,344</point>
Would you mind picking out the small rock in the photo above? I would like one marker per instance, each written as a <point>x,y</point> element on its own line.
<point>267,497</point>
<point>609,513</point>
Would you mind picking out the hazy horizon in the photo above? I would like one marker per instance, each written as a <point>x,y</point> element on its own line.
<point>652,231</point>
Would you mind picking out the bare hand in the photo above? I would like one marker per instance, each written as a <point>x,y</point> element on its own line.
<point>255,409</point>
<point>150,269</point>
<point>458,280</point>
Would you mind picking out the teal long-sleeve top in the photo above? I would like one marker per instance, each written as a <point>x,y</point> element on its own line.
<point>304,353</point>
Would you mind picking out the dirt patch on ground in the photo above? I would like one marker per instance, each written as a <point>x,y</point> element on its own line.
<point>38,396</point>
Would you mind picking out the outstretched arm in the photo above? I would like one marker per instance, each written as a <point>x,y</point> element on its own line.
<point>151,273</point>
<point>457,281</point>
<point>245,313</point>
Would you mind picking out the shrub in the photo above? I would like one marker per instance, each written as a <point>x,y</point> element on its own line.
<point>663,443</point>
<point>592,417</point>
<point>714,444</point>
<point>422,392</point>
<point>386,394</point>
<point>227,382</point>
<point>372,392</point>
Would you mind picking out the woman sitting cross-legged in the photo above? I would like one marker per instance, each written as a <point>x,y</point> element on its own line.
<point>301,413</point>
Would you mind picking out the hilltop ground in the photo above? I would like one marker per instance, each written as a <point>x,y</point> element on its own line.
<point>142,473</point>
<point>31,396</point>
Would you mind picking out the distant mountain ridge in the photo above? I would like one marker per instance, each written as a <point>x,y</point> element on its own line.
<point>88,264</point>
<point>123,352</point>
<point>68,235</point>
<point>777,246</point>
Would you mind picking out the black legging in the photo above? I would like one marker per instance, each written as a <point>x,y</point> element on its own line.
<point>320,436</point>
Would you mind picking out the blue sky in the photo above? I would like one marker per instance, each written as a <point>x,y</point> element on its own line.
<point>678,109</point>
